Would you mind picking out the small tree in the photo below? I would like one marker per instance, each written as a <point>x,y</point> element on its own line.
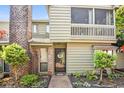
<point>15,56</point>
<point>103,60</point>
<point>120,22</point>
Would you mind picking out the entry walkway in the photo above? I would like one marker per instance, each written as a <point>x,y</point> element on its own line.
<point>60,82</point>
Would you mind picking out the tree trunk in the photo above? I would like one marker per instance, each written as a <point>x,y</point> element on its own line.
<point>19,20</point>
<point>101,76</point>
<point>20,26</point>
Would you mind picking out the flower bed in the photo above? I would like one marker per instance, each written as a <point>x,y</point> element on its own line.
<point>81,81</point>
<point>42,81</point>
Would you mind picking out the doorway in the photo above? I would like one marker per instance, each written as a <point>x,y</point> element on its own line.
<point>60,60</point>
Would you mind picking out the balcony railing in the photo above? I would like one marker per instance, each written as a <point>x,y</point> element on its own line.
<point>40,35</point>
<point>86,31</point>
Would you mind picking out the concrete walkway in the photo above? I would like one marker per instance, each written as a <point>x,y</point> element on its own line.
<point>60,82</point>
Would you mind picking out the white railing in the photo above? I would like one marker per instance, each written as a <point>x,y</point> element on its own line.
<point>88,31</point>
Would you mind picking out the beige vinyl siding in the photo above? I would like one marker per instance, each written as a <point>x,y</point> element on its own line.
<point>4,25</point>
<point>41,27</point>
<point>79,57</point>
<point>120,60</point>
<point>60,22</point>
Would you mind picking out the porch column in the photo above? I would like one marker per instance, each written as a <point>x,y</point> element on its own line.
<point>50,60</point>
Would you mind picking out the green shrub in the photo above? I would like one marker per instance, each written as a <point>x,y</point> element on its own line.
<point>29,80</point>
<point>103,60</point>
<point>90,75</point>
<point>113,76</point>
<point>16,56</point>
<point>77,75</point>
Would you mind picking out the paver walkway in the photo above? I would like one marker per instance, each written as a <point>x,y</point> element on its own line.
<point>60,82</point>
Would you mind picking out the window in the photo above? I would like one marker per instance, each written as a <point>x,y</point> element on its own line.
<point>6,67</point>
<point>1,66</point>
<point>47,28</point>
<point>103,16</point>
<point>35,28</point>
<point>82,15</point>
<point>43,55</point>
<point>43,60</point>
<point>43,67</point>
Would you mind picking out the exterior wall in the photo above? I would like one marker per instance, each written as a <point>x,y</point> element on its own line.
<point>120,60</point>
<point>41,27</point>
<point>34,59</point>
<point>79,57</point>
<point>4,25</point>
<point>29,25</point>
<point>61,26</point>
<point>60,21</point>
<point>50,60</point>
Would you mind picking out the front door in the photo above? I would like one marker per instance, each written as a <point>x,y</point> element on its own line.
<point>60,58</point>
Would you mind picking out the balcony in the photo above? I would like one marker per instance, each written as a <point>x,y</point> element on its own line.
<point>40,35</point>
<point>93,32</point>
<point>40,38</point>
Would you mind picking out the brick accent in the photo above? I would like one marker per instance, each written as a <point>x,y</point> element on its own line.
<point>34,60</point>
<point>50,60</point>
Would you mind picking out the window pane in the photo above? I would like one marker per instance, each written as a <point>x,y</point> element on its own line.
<point>103,16</point>
<point>1,66</point>
<point>43,67</point>
<point>6,68</point>
<point>44,55</point>
<point>34,28</point>
<point>81,15</point>
<point>47,28</point>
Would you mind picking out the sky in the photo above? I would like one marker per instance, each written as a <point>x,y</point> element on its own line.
<point>38,12</point>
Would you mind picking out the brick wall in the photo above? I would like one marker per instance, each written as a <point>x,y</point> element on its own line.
<point>50,60</point>
<point>34,60</point>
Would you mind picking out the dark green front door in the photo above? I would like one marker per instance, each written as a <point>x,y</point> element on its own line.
<point>60,60</point>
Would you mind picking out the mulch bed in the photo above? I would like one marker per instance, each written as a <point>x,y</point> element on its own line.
<point>8,82</point>
<point>82,82</point>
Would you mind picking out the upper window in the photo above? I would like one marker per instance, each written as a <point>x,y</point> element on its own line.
<point>85,16</point>
<point>81,15</point>
<point>103,16</point>
<point>34,28</point>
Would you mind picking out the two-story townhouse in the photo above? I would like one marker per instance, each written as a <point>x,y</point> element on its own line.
<point>75,32</point>
<point>67,41</point>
